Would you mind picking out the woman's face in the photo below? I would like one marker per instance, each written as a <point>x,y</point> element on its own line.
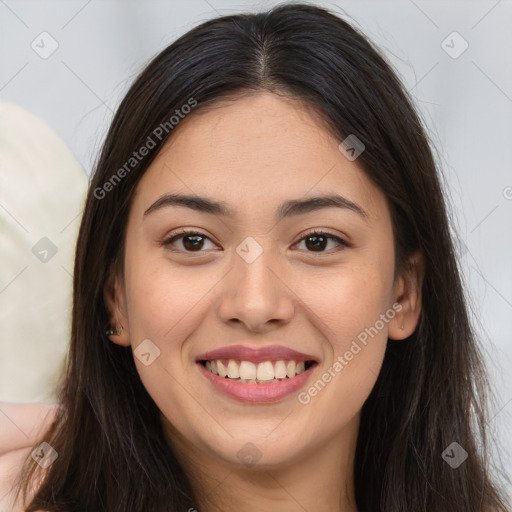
<point>255,283</point>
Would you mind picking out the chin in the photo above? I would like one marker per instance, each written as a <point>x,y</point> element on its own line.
<point>256,452</point>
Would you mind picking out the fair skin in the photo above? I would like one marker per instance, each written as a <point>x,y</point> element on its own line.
<point>253,154</point>
<point>21,428</point>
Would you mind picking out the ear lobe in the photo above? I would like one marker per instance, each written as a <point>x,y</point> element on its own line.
<point>117,331</point>
<point>407,292</point>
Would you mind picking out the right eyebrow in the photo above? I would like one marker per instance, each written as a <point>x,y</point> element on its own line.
<point>286,209</point>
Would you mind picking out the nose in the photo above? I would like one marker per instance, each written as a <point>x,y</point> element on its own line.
<point>256,295</point>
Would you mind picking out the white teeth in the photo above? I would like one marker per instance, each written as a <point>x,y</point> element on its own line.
<point>233,370</point>
<point>265,371</point>
<point>222,369</point>
<point>290,369</point>
<point>280,370</point>
<point>253,373</point>
<point>247,370</point>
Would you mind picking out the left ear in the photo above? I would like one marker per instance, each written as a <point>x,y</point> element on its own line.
<point>407,292</point>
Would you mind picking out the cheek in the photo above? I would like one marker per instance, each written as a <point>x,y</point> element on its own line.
<point>354,353</point>
<point>352,311</point>
<point>165,306</point>
<point>164,297</point>
<point>346,300</point>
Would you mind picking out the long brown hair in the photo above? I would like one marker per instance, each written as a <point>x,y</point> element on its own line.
<point>432,389</point>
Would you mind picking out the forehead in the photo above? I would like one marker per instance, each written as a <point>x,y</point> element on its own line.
<point>254,151</point>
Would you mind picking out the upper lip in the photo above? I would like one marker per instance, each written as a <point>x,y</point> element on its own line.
<point>256,355</point>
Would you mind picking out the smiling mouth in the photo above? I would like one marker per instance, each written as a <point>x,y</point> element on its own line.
<point>266,372</point>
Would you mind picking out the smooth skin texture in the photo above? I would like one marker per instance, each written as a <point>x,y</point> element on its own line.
<point>253,154</point>
<point>21,428</point>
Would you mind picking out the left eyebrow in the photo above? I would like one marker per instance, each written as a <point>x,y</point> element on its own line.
<point>288,208</point>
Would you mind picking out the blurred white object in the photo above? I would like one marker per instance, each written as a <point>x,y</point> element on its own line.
<point>42,192</point>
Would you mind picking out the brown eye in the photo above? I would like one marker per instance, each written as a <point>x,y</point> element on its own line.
<point>317,241</point>
<point>191,241</point>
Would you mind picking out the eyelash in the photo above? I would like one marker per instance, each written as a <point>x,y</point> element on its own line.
<point>184,232</point>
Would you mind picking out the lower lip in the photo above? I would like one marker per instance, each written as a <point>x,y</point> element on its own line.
<point>257,393</point>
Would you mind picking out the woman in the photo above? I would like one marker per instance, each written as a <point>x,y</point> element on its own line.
<point>268,311</point>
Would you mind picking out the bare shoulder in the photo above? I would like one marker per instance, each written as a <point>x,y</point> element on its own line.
<point>21,427</point>
<point>22,424</point>
<point>11,463</point>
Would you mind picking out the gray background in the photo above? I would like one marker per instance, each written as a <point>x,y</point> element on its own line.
<point>466,103</point>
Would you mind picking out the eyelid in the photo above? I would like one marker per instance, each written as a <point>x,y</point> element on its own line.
<point>323,231</point>
<point>341,240</point>
<point>181,232</point>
